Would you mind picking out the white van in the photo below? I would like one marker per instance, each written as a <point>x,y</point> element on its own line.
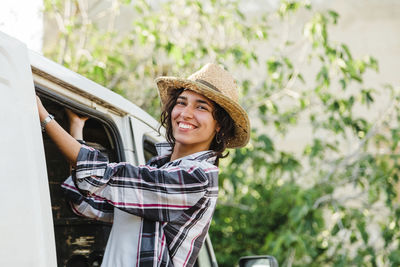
<point>37,228</point>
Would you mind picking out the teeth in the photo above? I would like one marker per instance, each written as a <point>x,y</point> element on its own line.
<point>185,126</point>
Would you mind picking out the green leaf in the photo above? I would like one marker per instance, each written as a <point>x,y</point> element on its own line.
<point>334,15</point>
<point>347,51</point>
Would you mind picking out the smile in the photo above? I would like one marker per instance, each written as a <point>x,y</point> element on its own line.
<point>185,125</point>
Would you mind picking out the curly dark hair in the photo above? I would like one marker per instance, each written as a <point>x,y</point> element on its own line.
<point>226,123</point>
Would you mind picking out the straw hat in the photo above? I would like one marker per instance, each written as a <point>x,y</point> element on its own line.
<point>218,85</point>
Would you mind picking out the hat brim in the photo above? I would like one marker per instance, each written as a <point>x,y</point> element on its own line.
<point>237,113</point>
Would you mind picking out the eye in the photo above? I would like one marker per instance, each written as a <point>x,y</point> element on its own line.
<point>180,103</point>
<point>201,107</point>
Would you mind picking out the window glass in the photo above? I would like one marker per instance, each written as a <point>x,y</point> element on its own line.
<point>204,259</point>
<point>149,149</point>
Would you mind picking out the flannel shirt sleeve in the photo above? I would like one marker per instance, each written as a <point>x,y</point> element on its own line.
<point>158,194</point>
<point>91,207</point>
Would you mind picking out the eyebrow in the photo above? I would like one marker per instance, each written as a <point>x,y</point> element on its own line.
<point>197,100</point>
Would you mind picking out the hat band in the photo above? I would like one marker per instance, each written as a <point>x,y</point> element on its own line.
<point>208,84</point>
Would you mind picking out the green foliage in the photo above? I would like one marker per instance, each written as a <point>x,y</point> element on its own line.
<point>311,204</point>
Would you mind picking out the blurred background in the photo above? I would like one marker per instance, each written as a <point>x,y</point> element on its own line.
<point>318,183</point>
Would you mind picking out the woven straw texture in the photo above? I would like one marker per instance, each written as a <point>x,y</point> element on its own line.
<point>218,85</point>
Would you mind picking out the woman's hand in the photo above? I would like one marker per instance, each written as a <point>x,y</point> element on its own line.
<point>38,101</point>
<point>42,111</point>
<point>76,124</point>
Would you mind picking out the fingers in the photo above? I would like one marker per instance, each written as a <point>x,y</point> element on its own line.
<point>76,124</point>
<point>38,101</point>
<point>41,109</point>
<point>73,116</point>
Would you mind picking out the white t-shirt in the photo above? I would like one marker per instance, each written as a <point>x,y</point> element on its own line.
<point>122,245</point>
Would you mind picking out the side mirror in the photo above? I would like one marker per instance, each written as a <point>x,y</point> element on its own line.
<point>258,261</point>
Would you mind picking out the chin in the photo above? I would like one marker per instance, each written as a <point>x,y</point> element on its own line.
<point>183,142</point>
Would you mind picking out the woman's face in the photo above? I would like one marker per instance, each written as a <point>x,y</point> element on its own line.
<point>192,120</point>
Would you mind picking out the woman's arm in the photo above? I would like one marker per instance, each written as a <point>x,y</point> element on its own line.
<point>76,124</point>
<point>90,207</point>
<point>158,194</point>
<point>68,146</point>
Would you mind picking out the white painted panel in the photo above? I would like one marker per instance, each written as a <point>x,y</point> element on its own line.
<point>26,227</point>
<point>139,131</point>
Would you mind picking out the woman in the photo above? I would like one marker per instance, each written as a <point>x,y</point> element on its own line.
<point>162,210</point>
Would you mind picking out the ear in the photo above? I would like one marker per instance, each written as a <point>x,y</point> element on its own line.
<point>217,128</point>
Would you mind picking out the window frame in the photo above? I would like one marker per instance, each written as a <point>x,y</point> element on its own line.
<point>84,110</point>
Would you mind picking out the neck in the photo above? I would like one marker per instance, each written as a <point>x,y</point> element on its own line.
<point>181,151</point>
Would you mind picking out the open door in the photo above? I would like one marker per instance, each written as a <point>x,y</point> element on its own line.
<point>26,228</point>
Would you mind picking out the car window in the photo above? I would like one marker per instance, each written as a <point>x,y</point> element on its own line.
<point>149,149</point>
<point>79,241</point>
<point>204,259</point>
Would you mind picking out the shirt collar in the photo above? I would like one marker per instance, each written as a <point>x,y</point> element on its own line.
<point>164,150</point>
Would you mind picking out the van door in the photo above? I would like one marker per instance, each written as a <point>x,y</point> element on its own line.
<point>26,228</point>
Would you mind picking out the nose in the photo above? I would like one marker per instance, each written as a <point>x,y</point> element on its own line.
<point>187,112</point>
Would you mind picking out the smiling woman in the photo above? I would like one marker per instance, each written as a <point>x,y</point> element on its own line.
<point>193,124</point>
<point>162,210</point>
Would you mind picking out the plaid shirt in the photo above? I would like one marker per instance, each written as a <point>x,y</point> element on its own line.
<point>175,199</point>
